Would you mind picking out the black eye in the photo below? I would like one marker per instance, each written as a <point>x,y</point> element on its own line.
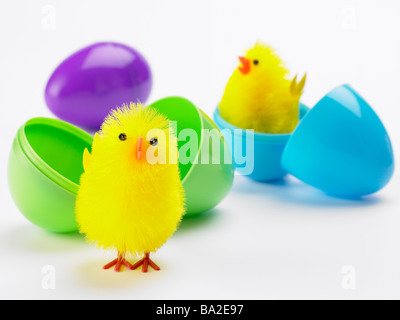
<point>255,62</point>
<point>122,136</point>
<point>153,141</point>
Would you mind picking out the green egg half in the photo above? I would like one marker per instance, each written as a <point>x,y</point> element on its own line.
<point>44,167</point>
<point>207,174</point>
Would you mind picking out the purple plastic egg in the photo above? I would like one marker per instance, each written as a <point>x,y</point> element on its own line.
<point>88,84</point>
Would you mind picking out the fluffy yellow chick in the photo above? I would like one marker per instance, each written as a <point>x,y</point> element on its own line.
<point>131,198</point>
<point>260,96</point>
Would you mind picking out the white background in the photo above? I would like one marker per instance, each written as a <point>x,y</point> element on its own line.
<point>264,241</point>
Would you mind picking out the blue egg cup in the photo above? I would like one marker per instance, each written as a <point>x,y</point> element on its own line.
<point>263,163</point>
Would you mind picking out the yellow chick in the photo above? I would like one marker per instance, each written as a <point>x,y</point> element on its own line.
<point>260,96</point>
<point>131,198</point>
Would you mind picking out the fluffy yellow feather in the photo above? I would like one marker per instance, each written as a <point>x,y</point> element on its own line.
<point>131,198</point>
<point>260,96</point>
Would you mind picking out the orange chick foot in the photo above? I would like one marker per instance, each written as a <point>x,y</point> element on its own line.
<point>118,262</point>
<point>145,263</point>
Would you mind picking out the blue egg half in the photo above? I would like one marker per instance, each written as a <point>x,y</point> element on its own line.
<point>341,147</point>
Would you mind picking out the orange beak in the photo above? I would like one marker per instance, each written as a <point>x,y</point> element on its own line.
<point>139,148</point>
<point>245,67</point>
